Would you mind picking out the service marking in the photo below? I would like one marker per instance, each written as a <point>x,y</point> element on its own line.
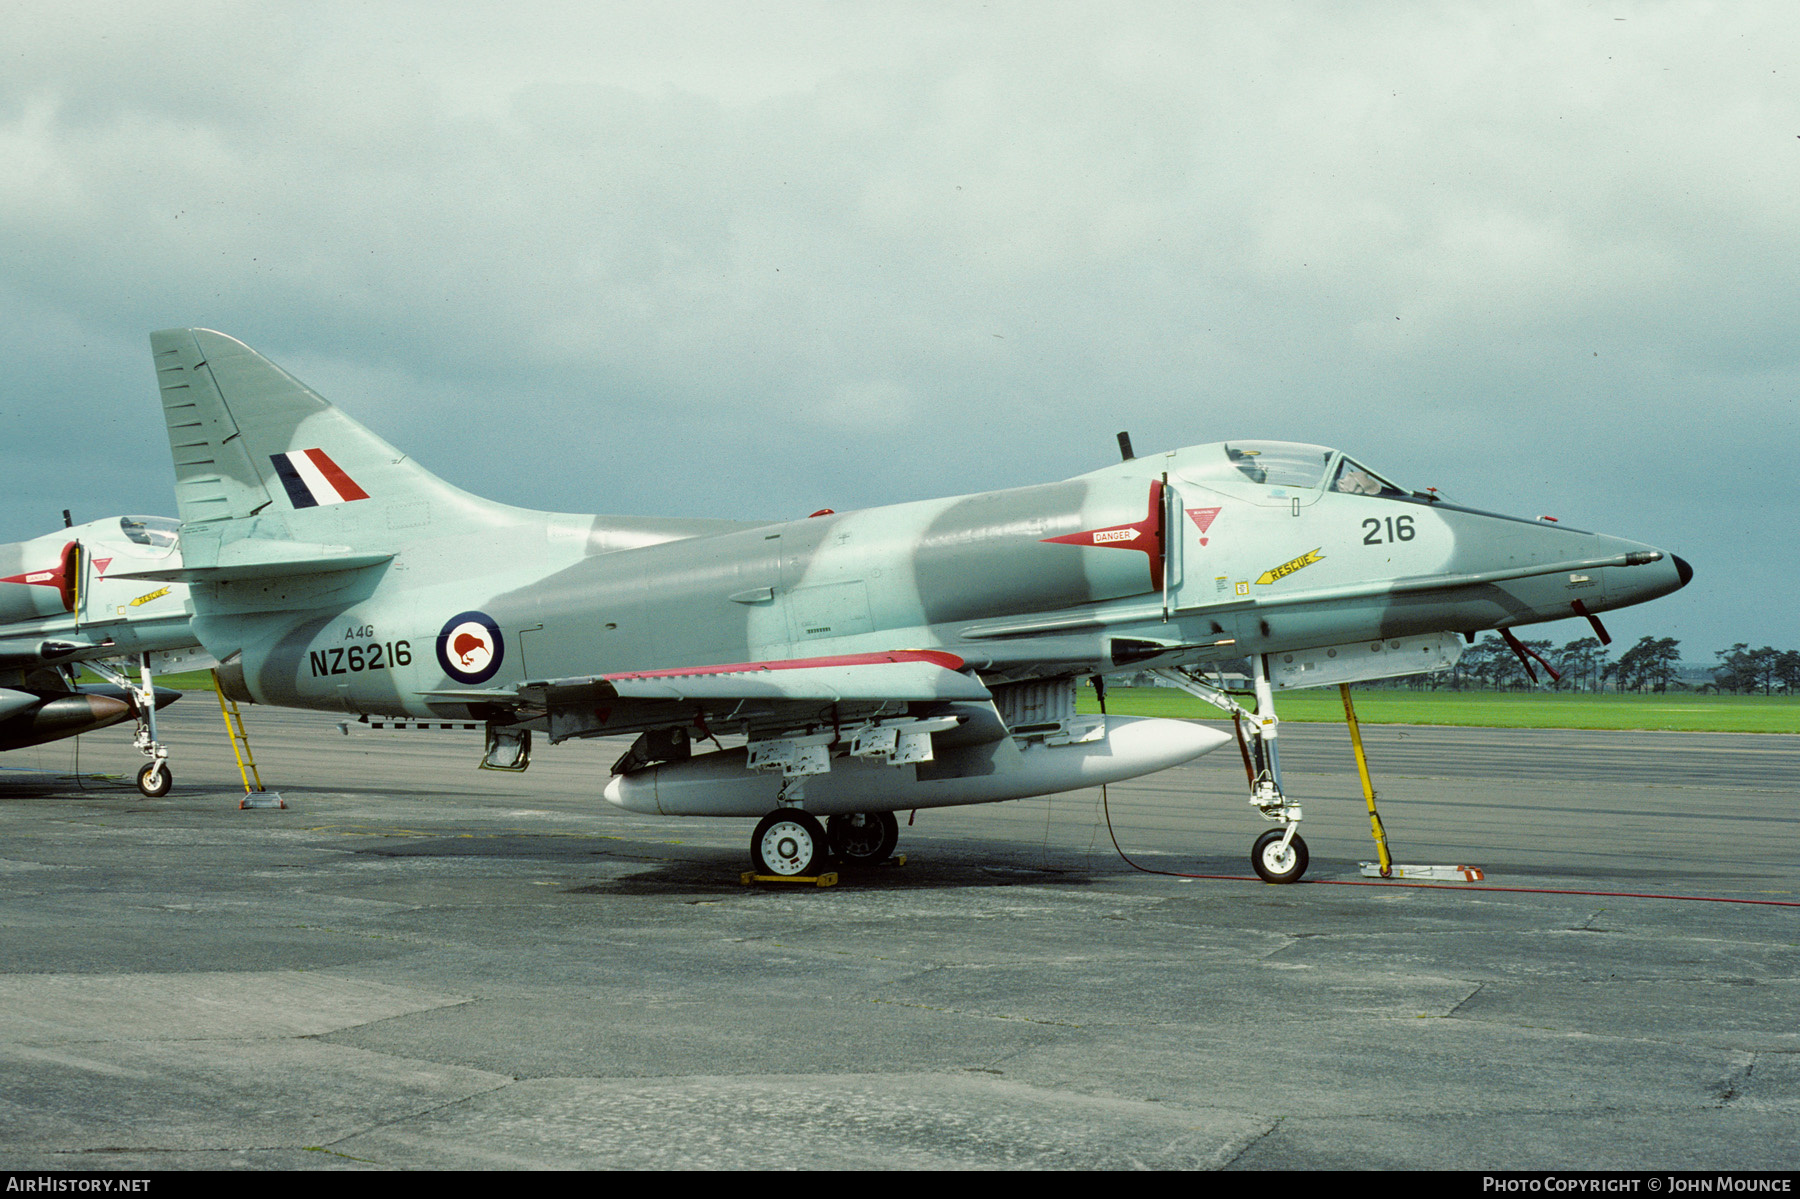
<point>355,659</point>
<point>470,647</point>
<point>1288,568</point>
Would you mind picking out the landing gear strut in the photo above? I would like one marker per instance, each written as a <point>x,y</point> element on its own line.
<point>1279,855</point>
<point>155,778</point>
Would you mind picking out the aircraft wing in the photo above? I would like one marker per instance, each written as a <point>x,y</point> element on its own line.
<point>800,688</point>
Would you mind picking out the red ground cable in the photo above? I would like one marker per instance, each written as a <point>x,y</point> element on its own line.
<point>1333,882</point>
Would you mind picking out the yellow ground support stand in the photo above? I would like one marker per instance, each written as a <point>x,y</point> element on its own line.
<point>1386,868</point>
<point>1362,768</point>
<point>259,796</point>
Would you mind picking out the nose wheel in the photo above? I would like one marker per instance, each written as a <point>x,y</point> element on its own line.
<point>155,779</point>
<point>1279,858</point>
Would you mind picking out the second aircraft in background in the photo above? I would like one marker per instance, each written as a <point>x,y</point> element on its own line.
<point>68,599</point>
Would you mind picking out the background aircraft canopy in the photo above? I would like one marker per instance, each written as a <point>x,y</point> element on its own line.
<point>157,532</point>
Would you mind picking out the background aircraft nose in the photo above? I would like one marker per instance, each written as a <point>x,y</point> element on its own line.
<point>1682,568</point>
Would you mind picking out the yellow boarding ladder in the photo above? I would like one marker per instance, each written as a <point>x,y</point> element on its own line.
<point>240,749</point>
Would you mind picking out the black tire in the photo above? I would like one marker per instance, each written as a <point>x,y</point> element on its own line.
<point>159,787</point>
<point>1275,866</point>
<point>788,842</point>
<point>867,844</point>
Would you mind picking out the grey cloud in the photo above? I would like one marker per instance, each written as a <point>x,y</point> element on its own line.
<point>757,259</point>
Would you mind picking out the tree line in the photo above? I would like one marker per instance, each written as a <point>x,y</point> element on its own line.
<point>1653,664</point>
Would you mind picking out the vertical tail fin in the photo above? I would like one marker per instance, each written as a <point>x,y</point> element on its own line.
<point>250,441</point>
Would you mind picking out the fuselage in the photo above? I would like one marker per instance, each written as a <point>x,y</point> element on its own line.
<point>1202,554</point>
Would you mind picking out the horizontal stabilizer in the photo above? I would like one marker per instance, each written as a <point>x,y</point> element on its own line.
<point>256,558</point>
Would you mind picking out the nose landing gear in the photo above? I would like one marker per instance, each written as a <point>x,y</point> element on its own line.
<point>154,779</point>
<point>1278,855</point>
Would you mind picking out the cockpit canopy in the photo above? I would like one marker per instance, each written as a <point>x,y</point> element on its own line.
<point>157,532</point>
<point>1285,464</point>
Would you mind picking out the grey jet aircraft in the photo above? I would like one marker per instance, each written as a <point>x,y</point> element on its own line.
<point>69,599</point>
<point>860,663</point>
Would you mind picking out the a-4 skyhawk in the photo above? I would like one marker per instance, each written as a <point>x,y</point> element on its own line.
<point>860,663</point>
<point>69,599</point>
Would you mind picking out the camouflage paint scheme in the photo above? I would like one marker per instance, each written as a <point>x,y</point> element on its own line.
<point>331,571</point>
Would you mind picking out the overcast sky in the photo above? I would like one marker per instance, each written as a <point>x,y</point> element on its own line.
<point>753,259</point>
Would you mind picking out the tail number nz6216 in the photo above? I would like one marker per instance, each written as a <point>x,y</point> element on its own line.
<point>353,659</point>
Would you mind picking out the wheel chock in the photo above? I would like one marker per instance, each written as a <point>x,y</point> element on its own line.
<point>828,879</point>
<point>262,799</point>
<point>1442,874</point>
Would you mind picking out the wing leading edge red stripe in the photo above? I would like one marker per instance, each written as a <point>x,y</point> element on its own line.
<point>932,656</point>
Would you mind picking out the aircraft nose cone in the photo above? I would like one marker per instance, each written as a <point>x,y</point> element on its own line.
<point>1683,569</point>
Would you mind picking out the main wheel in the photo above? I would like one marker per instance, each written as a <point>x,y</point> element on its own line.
<point>865,839</point>
<point>1275,864</point>
<point>155,779</point>
<point>789,842</point>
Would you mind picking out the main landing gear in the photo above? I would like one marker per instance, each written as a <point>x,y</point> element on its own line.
<point>788,842</point>
<point>865,838</point>
<point>792,843</point>
<point>1279,855</point>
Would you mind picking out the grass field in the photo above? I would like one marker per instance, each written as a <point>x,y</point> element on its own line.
<point>187,680</point>
<point>1681,712</point>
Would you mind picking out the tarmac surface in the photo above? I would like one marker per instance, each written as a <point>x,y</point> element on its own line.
<point>421,965</point>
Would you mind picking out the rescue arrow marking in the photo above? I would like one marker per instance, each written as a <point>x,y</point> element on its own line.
<point>1288,568</point>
